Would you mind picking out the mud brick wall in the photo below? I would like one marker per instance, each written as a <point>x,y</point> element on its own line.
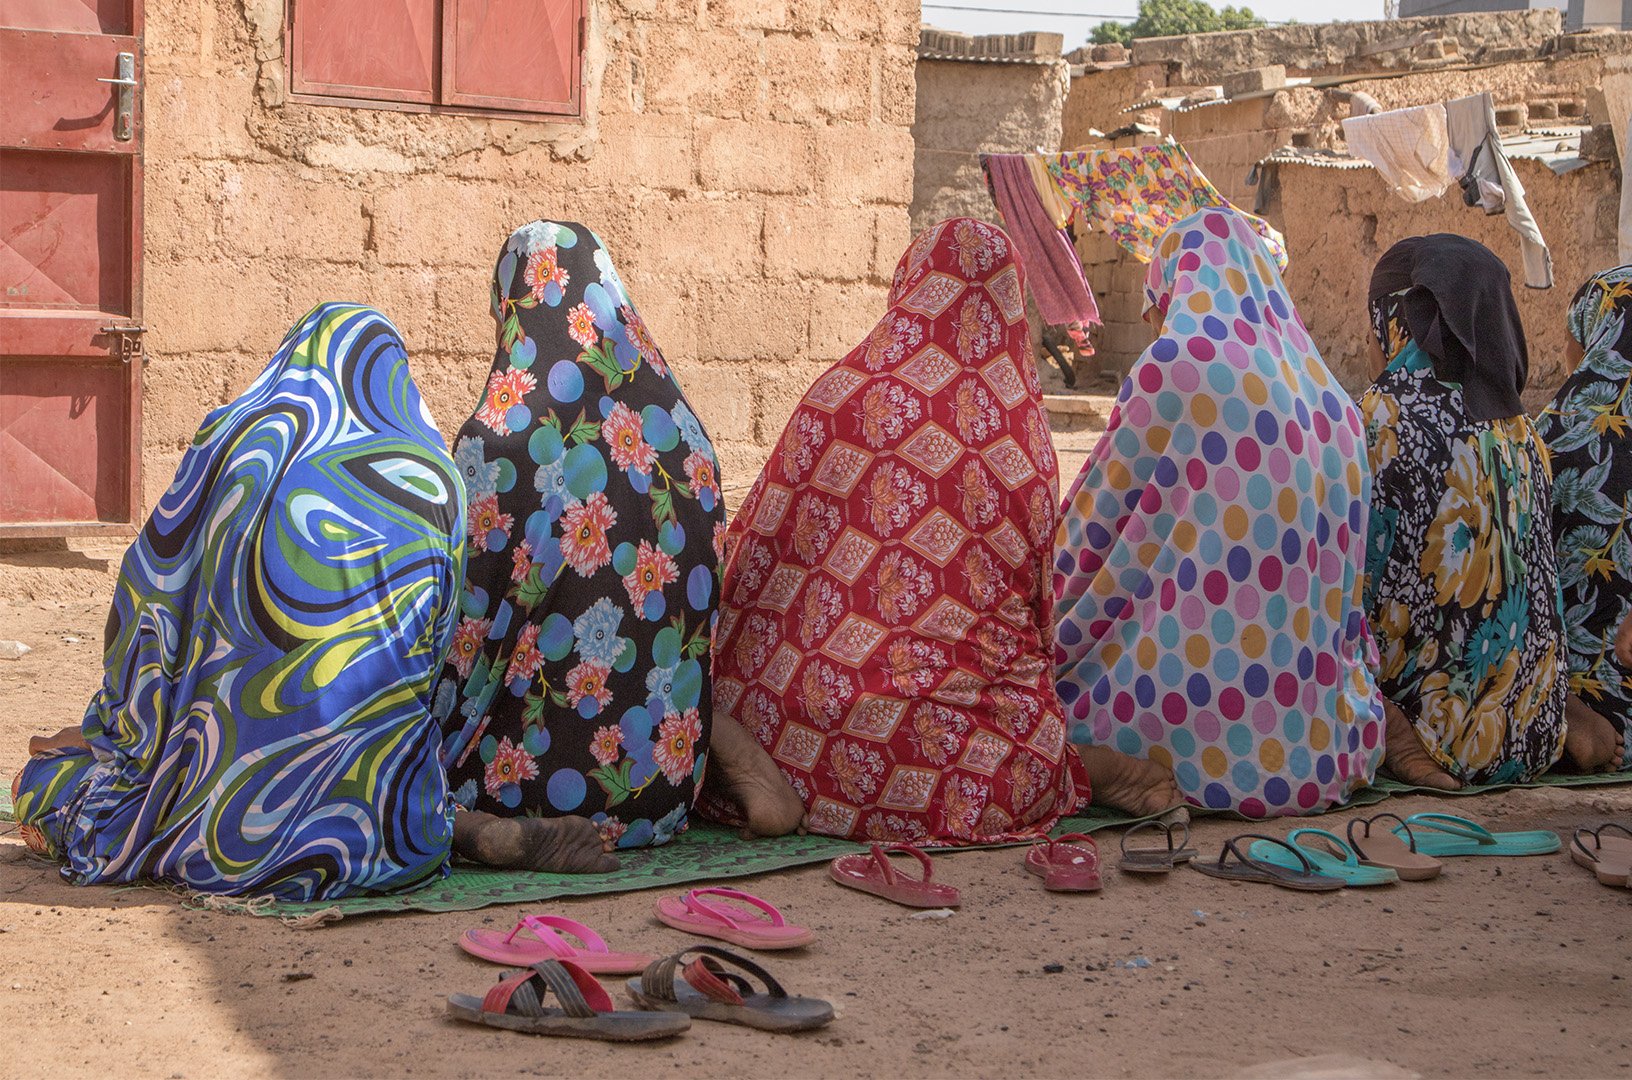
<point>748,163</point>
<point>966,108</point>
<point>1338,222</point>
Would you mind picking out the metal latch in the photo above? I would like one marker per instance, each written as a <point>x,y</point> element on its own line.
<point>124,122</point>
<point>130,340</point>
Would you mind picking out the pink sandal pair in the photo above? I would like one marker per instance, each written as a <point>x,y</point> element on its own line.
<point>732,915</point>
<point>537,938</point>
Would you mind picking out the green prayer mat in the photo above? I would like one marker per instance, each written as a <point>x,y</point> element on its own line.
<point>713,853</point>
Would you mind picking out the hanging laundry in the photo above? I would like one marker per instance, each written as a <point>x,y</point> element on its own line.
<point>1135,193</point>
<point>1410,147</point>
<point>1054,204</point>
<point>1482,167</point>
<point>1046,254</point>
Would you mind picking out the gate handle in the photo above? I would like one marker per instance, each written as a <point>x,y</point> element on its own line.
<point>124,124</point>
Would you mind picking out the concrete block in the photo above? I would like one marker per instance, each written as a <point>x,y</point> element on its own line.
<point>751,320</point>
<point>736,156</point>
<point>830,243</point>
<point>897,82</point>
<point>180,319</point>
<point>892,233</point>
<point>429,220</point>
<point>704,73</point>
<point>778,389</point>
<point>1512,116</point>
<point>722,396</point>
<point>1543,110</point>
<point>872,164</point>
<point>649,151</point>
<point>727,230</point>
<point>758,14</point>
<point>841,316</point>
<point>1272,77</point>
<point>1598,143</point>
<point>806,79</point>
<point>265,209</point>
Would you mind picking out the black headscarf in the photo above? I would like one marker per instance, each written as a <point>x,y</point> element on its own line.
<point>1457,304</point>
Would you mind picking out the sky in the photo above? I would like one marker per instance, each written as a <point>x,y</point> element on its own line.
<point>1076,18</point>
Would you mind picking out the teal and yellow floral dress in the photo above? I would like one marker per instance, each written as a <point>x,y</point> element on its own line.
<point>1461,581</point>
<point>1588,427</point>
<point>578,681</point>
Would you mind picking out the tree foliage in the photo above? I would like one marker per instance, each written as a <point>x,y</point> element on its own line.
<point>1166,18</point>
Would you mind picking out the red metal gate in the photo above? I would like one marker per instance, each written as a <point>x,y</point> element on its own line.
<point>70,266</point>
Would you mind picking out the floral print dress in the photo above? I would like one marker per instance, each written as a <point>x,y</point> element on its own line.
<point>884,628</point>
<point>1588,427</point>
<point>578,680</point>
<point>1461,578</point>
<point>1208,581</point>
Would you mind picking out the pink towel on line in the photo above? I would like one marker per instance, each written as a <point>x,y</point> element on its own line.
<point>1045,253</point>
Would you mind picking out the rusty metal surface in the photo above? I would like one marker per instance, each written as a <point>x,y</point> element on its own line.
<point>70,266</point>
<point>385,49</point>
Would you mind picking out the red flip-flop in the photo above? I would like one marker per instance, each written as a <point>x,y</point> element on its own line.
<point>1069,864</point>
<point>874,874</point>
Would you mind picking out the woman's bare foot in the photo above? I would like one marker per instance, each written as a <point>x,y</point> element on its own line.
<point>1407,759</point>
<point>68,737</point>
<point>742,774</point>
<point>1591,743</point>
<point>564,845</point>
<point>1129,784</point>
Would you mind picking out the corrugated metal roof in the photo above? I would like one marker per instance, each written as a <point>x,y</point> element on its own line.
<point>961,58</point>
<point>1558,148</point>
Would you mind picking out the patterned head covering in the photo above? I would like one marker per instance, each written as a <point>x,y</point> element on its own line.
<point>884,626</point>
<point>579,670</point>
<point>263,725</point>
<point>1588,428</point>
<point>1209,569</point>
<point>1454,297</point>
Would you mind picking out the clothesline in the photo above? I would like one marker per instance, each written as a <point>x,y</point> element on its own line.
<point>1134,194</point>
<point>1423,150</point>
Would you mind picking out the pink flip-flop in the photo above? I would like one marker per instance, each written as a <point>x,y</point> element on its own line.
<point>1069,864</point>
<point>548,941</point>
<point>744,920</point>
<point>874,874</point>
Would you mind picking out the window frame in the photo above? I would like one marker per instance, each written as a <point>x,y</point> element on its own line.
<point>310,92</point>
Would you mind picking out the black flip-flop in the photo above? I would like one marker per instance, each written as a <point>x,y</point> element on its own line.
<point>516,1002</point>
<point>1154,860</point>
<point>1247,868</point>
<point>708,990</point>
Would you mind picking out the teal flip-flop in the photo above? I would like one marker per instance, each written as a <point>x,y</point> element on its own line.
<point>1330,856</point>
<point>1444,835</point>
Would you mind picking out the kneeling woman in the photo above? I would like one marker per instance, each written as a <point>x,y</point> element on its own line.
<point>1209,575</point>
<point>574,701</point>
<point>263,725</point>
<point>1461,578</point>
<point>1588,427</point>
<point>884,627</point>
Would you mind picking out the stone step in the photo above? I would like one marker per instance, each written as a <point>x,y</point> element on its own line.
<point>1078,412</point>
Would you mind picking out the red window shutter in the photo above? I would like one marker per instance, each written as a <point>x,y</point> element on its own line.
<point>521,55</point>
<point>381,50</point>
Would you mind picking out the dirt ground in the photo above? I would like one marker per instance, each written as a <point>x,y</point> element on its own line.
<point>1501,967</point>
